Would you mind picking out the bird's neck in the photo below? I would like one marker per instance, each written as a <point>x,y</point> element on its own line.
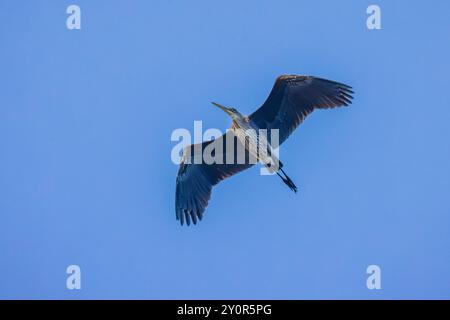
<point>237,123</point>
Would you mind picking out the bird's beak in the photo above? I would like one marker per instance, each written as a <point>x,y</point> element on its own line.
<point>222,107</point>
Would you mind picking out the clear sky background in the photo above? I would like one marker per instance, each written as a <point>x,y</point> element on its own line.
<point>86,176</point>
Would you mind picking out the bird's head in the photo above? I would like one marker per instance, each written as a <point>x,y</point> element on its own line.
<point>232,112</point>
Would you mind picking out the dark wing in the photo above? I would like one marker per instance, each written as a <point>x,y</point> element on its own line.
<point>195,181</point>
<point>293,98</point>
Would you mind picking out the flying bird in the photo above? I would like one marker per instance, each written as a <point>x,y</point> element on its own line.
<point>291,100</point>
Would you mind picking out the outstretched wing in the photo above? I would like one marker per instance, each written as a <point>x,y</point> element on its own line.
<point>294,97</point>
<point>195,181</point>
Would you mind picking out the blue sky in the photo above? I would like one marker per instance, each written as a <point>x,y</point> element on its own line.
<point>86,177</point>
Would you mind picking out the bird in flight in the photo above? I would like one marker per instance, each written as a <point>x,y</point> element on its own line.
<point>292,99</point>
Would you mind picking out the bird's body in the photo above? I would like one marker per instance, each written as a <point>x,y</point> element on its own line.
<point>255,142</point>
<point>253,138</point>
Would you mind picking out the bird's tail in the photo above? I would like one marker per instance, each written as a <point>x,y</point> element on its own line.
<point>287,180</point>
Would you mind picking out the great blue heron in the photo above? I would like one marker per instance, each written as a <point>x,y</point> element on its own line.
<point>292,98</point>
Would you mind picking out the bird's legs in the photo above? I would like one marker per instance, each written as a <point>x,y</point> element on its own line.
<point>287,180</point>
<point>269,163</point>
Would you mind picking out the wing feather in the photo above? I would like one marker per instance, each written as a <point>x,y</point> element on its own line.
<point>294,97</point>
<point>195,181</point>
